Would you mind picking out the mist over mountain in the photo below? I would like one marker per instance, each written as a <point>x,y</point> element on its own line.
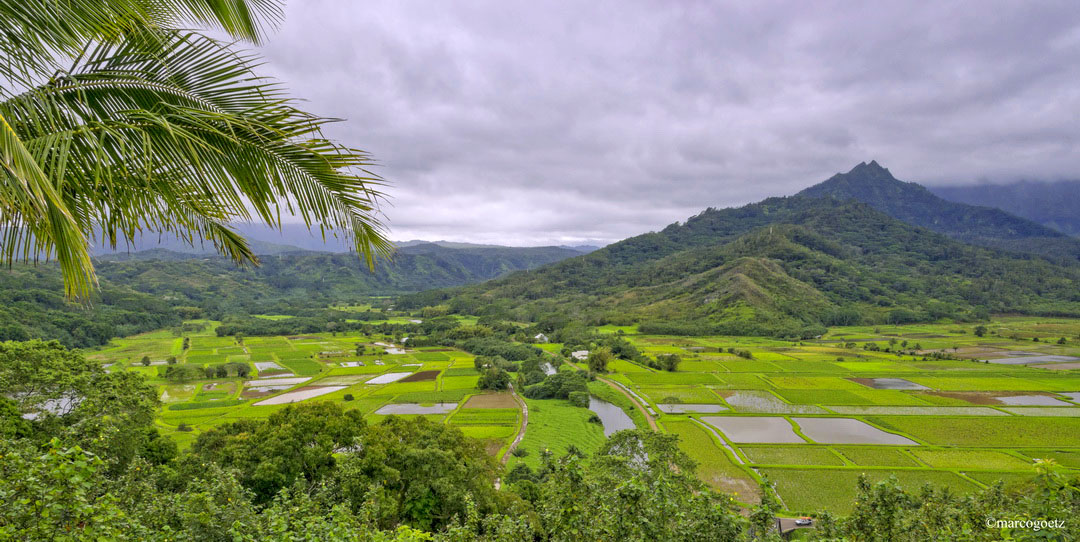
<point>1053,204</point>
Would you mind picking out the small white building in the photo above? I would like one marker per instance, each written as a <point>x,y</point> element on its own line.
<point>541,338</point>
<point>580,355</point>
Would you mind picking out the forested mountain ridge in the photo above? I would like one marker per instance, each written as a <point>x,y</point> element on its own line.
<point>325,276</point>
<point>917,205</point>
<point>1052,204</point>
<point>147,290</point>
<point>780,266</point>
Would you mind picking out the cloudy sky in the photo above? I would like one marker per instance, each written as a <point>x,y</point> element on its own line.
<point>565,122</point>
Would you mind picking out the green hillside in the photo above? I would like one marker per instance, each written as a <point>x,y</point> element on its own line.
<point>784,266</point>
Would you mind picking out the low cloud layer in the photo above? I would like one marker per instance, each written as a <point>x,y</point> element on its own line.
<point>568,122</point>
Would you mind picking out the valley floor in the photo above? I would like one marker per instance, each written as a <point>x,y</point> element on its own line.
<point>812,416</point>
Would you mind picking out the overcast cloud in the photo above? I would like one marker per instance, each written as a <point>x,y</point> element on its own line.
<point>563,122</point>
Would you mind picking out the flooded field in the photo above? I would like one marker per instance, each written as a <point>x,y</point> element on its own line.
<point>757,429</point>
<point>416,408</point>
<point>300,395</point>
<point>847,431</point>
<point>763,402</point>
<point>1031,400</point>
<point>262,366</point>
<point>889,383</point>
<point>387,378</point>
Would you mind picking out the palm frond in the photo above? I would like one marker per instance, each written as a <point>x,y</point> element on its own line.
<point>168,131</point>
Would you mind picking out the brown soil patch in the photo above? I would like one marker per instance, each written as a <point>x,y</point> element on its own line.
<point>746,490</point>
<point>492,446</point>
<point>1059,366</point>
<point>421,376</point>
<point>255,394</point>
<point>968,352</point>
<point>272,372</point>
<point>491,400</point>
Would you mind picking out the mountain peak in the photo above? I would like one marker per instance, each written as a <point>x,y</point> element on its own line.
<point>870,172</point>
<point>866,182</point>
<point>913,203</point>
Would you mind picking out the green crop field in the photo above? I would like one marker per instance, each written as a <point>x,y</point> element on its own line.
<point>791,455</point>
<point>947,418</point>
<point>805,490</point>
<point>555,425</point>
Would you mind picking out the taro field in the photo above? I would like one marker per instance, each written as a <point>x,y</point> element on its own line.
<point>928,404</point>
<point>436,383</point>
<point>814,415</point>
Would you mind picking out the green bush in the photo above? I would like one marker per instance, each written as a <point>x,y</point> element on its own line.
<point>579,399</point>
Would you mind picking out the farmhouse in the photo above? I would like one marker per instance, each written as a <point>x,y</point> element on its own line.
<point>580,354</point>
<point>541,338</point>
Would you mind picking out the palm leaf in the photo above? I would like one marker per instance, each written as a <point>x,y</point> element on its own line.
<point>167,131</point>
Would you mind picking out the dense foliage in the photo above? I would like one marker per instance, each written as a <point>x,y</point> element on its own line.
<point>157,289</point>
<point>32,305</point>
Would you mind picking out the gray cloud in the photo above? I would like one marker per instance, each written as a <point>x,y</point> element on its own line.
<point>559,122</point>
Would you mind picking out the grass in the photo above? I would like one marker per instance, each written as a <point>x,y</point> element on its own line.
<point>459,382</point>
<point>683,394</point>
<point>1062,457</point>
<point>873,456</point>
<point>996,431</point>
<point>663,377</point>
<point>431,356</point>
<point>790,455</point>
<point>486,416</point>
<point>302,367</point>
<point>813,383</point>
<point>807,490</point>
<point>966,458</point>
<point>554,425</point>
<point>714,465</point>
<point>207,404</point>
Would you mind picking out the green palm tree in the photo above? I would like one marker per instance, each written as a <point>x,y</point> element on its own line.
<point>113,121</point>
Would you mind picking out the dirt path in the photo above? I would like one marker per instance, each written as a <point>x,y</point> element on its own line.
<point>648,418</point>
<point>524,424</point>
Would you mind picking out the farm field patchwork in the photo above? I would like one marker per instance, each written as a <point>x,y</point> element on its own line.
<point>939,414</point>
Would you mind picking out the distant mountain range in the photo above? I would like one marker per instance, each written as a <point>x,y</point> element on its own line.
<point>860,247</point>
<point>266,240</point>
<point>1052,204</point>
<point>323,275</point>
<point>149,289</point>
